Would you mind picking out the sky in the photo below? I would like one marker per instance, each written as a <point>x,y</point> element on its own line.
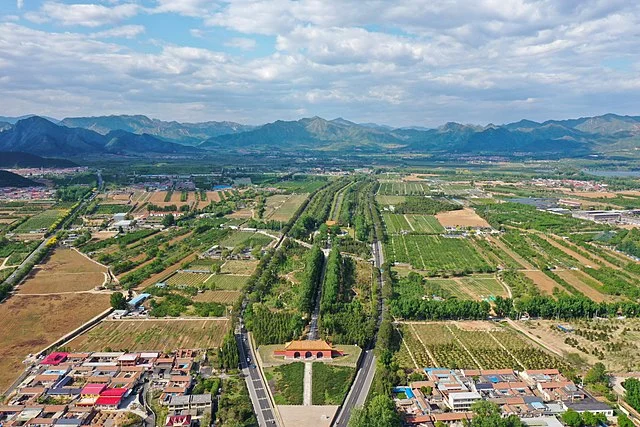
<point>401,63</point>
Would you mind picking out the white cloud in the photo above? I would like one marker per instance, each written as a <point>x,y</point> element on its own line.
<point>241,43</point>
<point>183,7</point>
<point>124,31</point>
<point>20,4</point>
<point>86,15</point>
<point>403,62</point>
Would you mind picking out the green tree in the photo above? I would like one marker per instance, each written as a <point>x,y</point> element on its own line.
<point>168,220</point>
<point>597,375</point>
<point>624,421</point>
<point>487,414</point>
<point>572,419</point>
<point>118,301</point>
<point>379,412</point>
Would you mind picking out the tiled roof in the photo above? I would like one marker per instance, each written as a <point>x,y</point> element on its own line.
<point>308,345</point>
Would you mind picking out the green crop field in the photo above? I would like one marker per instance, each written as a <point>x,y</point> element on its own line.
<point>41,221</point>
<point>484,286</point>
<point>187,279</point>
<point>425,224</point>
<point>435,253</point>
<point>111,209</point>
<point>396,223</point>
<point>390,200</point>
<point>401,188</point>
<point>245,238</point>
<point>412,223</point>
<point>226,282</point>
<point>286,210</point>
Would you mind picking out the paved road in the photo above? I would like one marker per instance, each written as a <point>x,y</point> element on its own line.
<point>257,388</point>
<point>313,324</point>
<point>359,389</point>
<point>364,376</point>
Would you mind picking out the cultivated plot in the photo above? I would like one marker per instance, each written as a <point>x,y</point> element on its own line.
<point>65,270</point>
<point>435,253</point>
<point>152,335</point>
<point>472,345</point>
<point>41,221</point>
<point>226,282</point>
<point>30,323</point>
<point>466,217</point>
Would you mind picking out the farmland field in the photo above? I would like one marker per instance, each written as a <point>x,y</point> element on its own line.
<point>287,209</point>
<point>424,224</point>
<point>30,323</point>
<point>64,271</point>
<point>152,335</point>
<point>396,223</point>
<point>466,217</point>
<point>389,200</point>
<point>41,221</point>
<point>187,279</point>
<point>399,188</point>
<point>587,285</point>
<point>483,286</point>
<point>473,345</point>
<point>590,343</point>
<point>111,208</point>
<point>245,238</point>
<point>435,253</point>
<point>222,297</point>
<point>226,282</point>
<point>239,267</point>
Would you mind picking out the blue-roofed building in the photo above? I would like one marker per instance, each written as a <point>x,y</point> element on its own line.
<point>136,301</point>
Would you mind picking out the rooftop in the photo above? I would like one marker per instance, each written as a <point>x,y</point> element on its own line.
<point>308,345</point>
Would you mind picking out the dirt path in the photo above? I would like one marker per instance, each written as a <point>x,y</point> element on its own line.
<point>409,222</point>
<point>464,347</point>
<point>433,359</point>
<point>533,338</point>
<point>408,349</point>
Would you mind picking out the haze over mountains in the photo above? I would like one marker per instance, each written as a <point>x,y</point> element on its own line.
<point>139,135</point>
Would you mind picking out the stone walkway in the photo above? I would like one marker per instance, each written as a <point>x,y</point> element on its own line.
<point>308,373</point>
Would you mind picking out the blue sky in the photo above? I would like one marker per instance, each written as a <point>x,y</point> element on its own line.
<point>409,62</point>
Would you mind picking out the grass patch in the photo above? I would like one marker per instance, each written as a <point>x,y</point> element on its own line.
<point>330,384</point>
<point>287,383</point>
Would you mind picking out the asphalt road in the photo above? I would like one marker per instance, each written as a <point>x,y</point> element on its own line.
<point>257,388</point>
<point>364,376</point>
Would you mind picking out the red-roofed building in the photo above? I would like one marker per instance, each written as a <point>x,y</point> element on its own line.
<point>111,398</point>
<point>54,359</point>
<point>179,421</point>
<point>310,349</point>
<point>92,390</point>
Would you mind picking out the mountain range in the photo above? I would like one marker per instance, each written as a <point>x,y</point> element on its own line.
<point>139,135</point>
